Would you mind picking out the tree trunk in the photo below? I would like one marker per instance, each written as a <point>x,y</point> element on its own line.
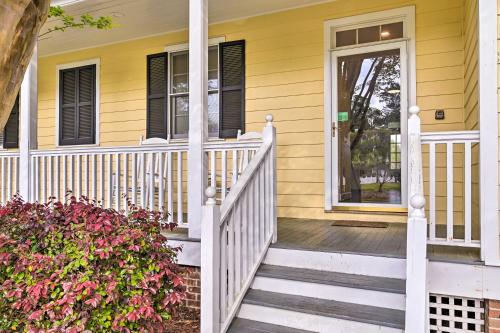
<point>21,21</point>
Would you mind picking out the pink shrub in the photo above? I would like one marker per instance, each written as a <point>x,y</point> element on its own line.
<point>75,267</point>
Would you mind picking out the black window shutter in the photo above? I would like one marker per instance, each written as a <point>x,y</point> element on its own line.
<point>77,98</point>
<point>11,129</point>
<point>157,96</point>
<point>232,89</point>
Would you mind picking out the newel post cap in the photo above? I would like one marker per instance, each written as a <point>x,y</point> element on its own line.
<point>414,110</point>
<point>210,192</point>
<point>269,119</point>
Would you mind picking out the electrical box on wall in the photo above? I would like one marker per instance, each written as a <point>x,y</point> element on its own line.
<point>439,115</point>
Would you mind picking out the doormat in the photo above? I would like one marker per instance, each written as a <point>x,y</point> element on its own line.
<point>360,224</point>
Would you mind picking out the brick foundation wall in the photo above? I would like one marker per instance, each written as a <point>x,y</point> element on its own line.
<point>192,279</point>
<point>493,316</point>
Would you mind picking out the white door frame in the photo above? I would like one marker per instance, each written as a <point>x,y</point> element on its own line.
<point>404,14</point>
<point>402,46</point>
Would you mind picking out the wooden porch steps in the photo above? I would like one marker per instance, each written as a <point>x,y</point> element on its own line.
<point>290,291</point>
<point>251,326</point>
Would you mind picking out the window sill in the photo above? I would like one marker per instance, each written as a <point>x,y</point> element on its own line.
<point>95,145</point>
<point>186,140</point>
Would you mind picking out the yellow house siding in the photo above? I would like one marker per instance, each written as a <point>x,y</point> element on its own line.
<point>284,76</point>
<point>471,75</point>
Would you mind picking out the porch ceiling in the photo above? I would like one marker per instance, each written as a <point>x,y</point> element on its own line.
<point>140,18</point>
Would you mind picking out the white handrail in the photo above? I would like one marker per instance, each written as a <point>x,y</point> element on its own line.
<point>452,136</point>
<point>236,236</point>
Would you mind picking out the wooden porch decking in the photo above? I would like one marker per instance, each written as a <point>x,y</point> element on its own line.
<point>320,235</point>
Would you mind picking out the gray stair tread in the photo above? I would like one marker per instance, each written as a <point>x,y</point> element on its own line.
<point>397,286</point>
<point>249,326</point>
<point>327,308</point>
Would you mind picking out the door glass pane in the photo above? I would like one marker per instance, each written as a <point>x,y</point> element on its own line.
<point>369,118</point>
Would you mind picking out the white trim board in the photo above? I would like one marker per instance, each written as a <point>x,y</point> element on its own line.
<point>97,63</point>
<point>177,47</point>
<point>475,281</point>
<point>407,15</point>
<point>190,254</point>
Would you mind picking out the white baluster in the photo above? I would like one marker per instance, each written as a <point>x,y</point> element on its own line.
<point>102,178</point>
<point>449,191</point>
<point>64,177</point>
<point>125,182</point>
<point>180,217</point>
<point>224,174</point>
<point>109,190</point>
<point>134,178</point>
<point>170,188</point>
<point>468,192</point>
<point>116,184</point>
<point>161,178</point>
<point>432,191</point>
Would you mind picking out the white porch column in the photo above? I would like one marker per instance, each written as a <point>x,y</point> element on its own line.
<point>488,122</point>
<point>198,112</point>
<point>28,106</point>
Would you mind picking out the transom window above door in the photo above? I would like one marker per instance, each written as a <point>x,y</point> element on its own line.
<point>168,92</point>
<point>370,34</point>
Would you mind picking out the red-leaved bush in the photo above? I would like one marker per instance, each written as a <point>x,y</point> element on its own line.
<point>76,267</point>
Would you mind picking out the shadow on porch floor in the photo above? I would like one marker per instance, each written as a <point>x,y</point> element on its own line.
<point>320,235</point>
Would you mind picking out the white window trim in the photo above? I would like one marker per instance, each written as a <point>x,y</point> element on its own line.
<point>215,41</point>
<point>97,63</point>
<point>404,14</point>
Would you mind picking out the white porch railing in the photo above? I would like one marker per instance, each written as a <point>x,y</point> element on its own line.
<point>9,175</point>
<point>236,236</point>
<point>452,152</point>
<point>152,176</point>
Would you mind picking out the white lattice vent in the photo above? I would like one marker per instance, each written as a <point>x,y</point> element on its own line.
<point>449,314</point>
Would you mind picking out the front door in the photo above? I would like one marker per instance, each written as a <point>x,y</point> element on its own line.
<point>369,134</point>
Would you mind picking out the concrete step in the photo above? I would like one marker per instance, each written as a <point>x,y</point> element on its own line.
<point>319,315</point>
<point>251,326</point>
<point>349,288</point>
<point>349,263</point>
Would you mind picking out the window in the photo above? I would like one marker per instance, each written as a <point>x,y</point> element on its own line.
<point>168,92</point>
<point>77,105</point>
<point>10,136</point>
<point>369,34</point>
<point>395,151</point>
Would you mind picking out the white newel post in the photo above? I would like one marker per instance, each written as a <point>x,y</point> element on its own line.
<point>269,135</point>
<point>210,264</point>
<point>28,106</point>
<point>198,112</point>
<point>416,251</point>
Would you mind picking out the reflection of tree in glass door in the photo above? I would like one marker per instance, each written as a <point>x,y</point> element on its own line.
<point>369,116</point>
